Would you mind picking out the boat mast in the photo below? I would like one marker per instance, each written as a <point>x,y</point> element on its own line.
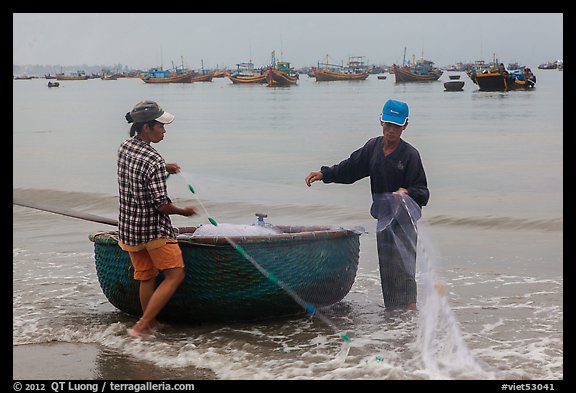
<point>404,58</point>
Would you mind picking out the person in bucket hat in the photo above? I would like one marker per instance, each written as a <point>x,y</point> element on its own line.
<point>144,227</point>
<point>395,168</point>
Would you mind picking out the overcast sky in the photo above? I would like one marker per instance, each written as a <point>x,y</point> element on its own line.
<point>224,39</point>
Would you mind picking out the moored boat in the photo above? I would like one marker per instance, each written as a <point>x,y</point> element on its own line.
<point>204,77</point>
<point>109,77</point>
<point>78,76</point>
<point>355,70</point>
<point>246,74</point>
<point>326,75</point>
<point>276,77</point>
<point>499,79</point>
<point>319,264</point>
<point>158,75</point>
<point>280,73</point>
<point>454,85</point>
<point>551,65</point>
<point>420,71</point>
<point>240,79</point>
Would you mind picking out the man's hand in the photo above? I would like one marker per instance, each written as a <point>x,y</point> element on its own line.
<point>312,177</point>
<point>172,167</point>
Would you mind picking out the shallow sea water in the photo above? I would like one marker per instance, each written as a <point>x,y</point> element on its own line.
<point>490,268</point>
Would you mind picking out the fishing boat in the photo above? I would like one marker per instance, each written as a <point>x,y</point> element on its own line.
<point>422,71</point>
<point>355,70</point>
<point>551,65</point>
<point>418,71</point>
<point>203,77</point>
<point>159,75</point>
<point>499,79</point>
<point>280,73</point>
<point>78,76</point>
<point>246,74</point>
<point>109,77</point>
<point>319,264</point>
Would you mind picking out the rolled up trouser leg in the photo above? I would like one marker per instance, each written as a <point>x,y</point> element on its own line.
<point>397,260</point>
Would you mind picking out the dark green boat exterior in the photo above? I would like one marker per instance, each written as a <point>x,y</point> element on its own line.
<point>319,264</point>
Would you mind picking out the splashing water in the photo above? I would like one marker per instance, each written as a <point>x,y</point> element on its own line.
<point>439,343</point>
<point>439,339</point>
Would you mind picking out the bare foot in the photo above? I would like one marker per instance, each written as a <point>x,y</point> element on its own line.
<point>143,330</point>
<point>141,335</point>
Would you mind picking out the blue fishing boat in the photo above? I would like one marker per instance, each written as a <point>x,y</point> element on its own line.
<point>176,75</point>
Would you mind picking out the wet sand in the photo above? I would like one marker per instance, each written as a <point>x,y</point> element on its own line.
<point>73,361</point>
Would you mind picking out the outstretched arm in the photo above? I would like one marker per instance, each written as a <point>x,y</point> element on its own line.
<point>170,208</point>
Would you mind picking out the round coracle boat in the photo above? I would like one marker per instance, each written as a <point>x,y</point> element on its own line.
<point>222,283</point>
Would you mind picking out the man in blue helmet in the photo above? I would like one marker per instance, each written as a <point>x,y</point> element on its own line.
<point>395,168</point>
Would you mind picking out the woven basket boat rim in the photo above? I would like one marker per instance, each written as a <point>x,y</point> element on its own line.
<point>290,233</point>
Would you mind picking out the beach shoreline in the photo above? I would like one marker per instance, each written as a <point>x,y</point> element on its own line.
<point>85,361</point>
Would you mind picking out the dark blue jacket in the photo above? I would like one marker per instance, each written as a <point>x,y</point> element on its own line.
<point>402,168</point>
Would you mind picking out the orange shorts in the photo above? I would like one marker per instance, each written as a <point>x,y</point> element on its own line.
<point>149,261</point>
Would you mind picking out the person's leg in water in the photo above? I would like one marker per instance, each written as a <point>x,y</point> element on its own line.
<point>397,262</point>
<point>147,263</point>
<point>160,296</point>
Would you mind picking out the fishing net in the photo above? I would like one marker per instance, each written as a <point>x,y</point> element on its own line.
<point>396,238</point>
<point>230,230</point>
<point>402,245</point>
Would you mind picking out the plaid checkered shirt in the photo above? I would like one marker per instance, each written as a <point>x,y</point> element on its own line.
<point>142,189</point>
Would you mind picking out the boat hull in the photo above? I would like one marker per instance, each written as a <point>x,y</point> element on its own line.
<point>499,82</point>
<point>318,264</point>
<point>247,79</point>
<point>203,77</point>
<point>278,78</point>
<point>325,76</point>
<point>454,85</point>
<point>71,78</point>
<point>404,75</point>
<point>184,78</point>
